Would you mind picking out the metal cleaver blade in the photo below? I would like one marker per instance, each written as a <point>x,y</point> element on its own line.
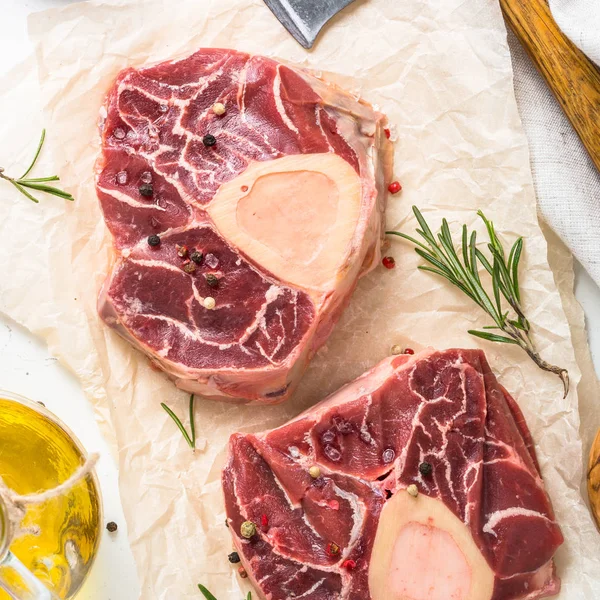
<point>304,19</point>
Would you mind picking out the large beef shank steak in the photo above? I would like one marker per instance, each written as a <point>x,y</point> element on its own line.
<point>244,198</point>
<point>417,481</point>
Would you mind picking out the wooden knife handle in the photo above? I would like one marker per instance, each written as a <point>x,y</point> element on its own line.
<point>593,479</point>
<point>572,77</point>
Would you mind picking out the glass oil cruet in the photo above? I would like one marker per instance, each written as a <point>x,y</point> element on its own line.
<point>50,505</point>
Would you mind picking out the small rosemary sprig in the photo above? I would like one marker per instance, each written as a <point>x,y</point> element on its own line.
<point>209,596</point>
<point>190,439</point>
<point>462,271</point>
<point>38,184</point>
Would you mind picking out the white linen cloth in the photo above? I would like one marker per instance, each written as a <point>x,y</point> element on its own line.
<point>566,180</point>
<point>580,22</point>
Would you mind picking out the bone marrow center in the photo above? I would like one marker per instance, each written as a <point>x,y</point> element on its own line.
<point>427,564</point>
<point>297,216</point>
<point>423,551</point>
<point>290,212</point>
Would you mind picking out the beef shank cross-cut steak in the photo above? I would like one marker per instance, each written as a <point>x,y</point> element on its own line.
<point>245,199</point>
<point>417,481</point>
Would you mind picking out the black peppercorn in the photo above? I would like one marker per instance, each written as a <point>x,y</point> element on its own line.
<point>209,140</point>
<point>146,189</point>
<point>197,257</point>
<point>425,468</point>
<point>234,558</point>
<point>212,281</point>
<point>153,240</point>
<point>112,526</point>
<point>189,267</point>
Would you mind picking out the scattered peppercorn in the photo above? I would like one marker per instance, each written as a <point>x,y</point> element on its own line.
<point>248,529</point>
<point>264,521</point>
<point>153,240</point>
<point>227,523</point>
<point>39,401</point>
<point>388,262</point>
<point>314,472</point>
<point>425,468</point>
<point>388,455</point>
<point>242,572</point>
<point>388,133</point>
<point>189,267</point>
<point>197,257</point>
<point>112,526</point>
<point>182,251</point>
<point>234,558</point>
<point>394,187</point>
<point>332,549</point>
<point>146,189</point>
<point>349,564</point>
<point>219,108</point>
<point>209,140</point>
<point>408,351</point>
<point>212,280</point>
<point>413,490</point>
<point>396,349</point>
<point>209,303</point>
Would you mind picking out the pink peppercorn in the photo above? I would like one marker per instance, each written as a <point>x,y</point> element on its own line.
<point>394,187</point>
<point>388,262</point>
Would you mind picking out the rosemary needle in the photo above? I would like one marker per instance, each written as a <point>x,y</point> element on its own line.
<point>38,184</point>
<point>462,271</point>
<point>191,440</point>
<point>209,596</point>
<point>206,593</point>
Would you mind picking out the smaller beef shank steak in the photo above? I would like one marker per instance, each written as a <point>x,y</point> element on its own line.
<point>245,199</point>
<point>417,481</point>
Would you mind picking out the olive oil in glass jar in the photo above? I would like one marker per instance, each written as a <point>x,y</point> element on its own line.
<point>38,453</point>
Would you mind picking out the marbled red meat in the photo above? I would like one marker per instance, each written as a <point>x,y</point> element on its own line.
<point>269,319</point>
<point>368,440</point>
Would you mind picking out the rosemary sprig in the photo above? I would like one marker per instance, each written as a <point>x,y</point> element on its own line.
<point>462,271</point>
<point>190,439</point>
<point>209,596</point>
<point>39,184</point>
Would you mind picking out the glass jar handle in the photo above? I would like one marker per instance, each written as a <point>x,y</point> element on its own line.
<point>15,579</point>
<point>19,583</point>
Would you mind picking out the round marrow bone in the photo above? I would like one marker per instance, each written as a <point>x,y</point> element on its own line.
<point>296,216</point>
<point>422,551</point>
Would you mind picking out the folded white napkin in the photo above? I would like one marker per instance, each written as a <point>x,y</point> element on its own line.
<point>566,180</point>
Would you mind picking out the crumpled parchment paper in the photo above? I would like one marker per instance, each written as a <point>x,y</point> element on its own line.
<point>441,71</point>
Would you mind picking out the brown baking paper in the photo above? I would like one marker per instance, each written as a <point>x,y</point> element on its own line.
<point>441,71</point>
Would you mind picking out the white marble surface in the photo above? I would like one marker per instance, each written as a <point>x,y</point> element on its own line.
<point>28,369</point>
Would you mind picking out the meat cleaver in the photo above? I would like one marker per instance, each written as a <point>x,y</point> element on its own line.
<point>570,74</point>
<point>304,19</point>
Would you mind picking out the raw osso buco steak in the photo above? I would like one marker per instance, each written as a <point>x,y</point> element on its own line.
<point>417,481</point>
<point>245,199</point>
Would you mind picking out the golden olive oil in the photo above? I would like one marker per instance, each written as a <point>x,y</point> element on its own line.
<point>36,454</point>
